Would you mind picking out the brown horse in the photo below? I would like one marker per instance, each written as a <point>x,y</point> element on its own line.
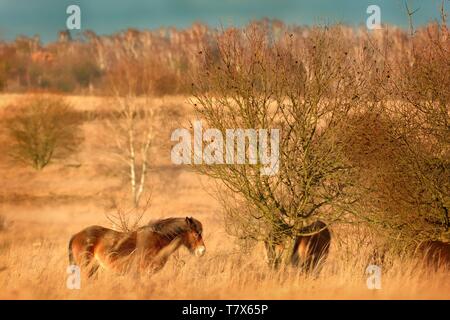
<point>309,251</point>
<point>149,247</point>
<point>435,254</point>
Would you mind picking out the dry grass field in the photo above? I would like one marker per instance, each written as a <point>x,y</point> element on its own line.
<point>41,210</point>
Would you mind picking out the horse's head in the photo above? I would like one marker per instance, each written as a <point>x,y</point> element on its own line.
<point>192,238</point>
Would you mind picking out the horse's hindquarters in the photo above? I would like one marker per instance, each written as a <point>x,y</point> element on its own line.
<point>435,254</point>
<point>310,251</point>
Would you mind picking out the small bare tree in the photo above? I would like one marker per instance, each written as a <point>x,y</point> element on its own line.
<point>306,88</point>
<point>401,147</point>
<point>132,121</point>
<point>423,126</point>
<point>410,17</point>
<point>42,129</point>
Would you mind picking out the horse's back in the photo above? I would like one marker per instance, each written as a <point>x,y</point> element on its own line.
<point>90,233</point>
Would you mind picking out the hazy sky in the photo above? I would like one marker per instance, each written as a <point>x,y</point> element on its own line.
<point>47,17</point>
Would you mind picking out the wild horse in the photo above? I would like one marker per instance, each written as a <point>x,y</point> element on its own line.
<point>148,248</point>
<point>309,251</point>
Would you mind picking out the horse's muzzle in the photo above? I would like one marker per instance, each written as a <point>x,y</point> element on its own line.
<point>200,251</point>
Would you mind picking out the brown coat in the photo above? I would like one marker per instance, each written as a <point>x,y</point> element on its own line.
<point>435,254</point>
<point>148,248</point>
<point>310,251</point>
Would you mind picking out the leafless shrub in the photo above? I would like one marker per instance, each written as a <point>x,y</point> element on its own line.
<point>423,127</point>
<point>125,218</point>
<point>400,145</point>
<point>43,128</point>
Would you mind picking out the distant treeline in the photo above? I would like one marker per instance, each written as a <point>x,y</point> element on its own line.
<point>169,55</point>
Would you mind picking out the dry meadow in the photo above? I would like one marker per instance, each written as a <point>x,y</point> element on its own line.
<point>41,210</point>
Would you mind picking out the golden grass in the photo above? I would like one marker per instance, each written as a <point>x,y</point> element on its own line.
<point>36,263</point>
<point>43,209</point>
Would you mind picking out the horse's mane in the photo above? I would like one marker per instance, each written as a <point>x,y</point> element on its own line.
<point>172,227</point>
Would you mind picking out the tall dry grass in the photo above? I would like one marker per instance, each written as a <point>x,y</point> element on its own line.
<point>34,266</point>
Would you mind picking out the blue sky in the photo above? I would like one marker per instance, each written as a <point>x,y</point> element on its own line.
<point>47,17</point>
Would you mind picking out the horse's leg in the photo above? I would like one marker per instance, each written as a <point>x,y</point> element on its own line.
<point>87,262</point>
<point>85,259</point>
<point>146,264</point>
<point>151,261</point>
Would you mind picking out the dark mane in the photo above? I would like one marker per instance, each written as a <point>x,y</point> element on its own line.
<point>172,227</point>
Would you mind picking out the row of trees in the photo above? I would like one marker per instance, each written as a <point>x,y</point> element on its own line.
<point>82,65</point>
<point>26,64</point>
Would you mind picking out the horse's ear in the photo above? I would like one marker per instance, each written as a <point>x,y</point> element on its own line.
<point>190,222</point>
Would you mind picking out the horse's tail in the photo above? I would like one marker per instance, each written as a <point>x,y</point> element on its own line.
<point>71,259</point>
